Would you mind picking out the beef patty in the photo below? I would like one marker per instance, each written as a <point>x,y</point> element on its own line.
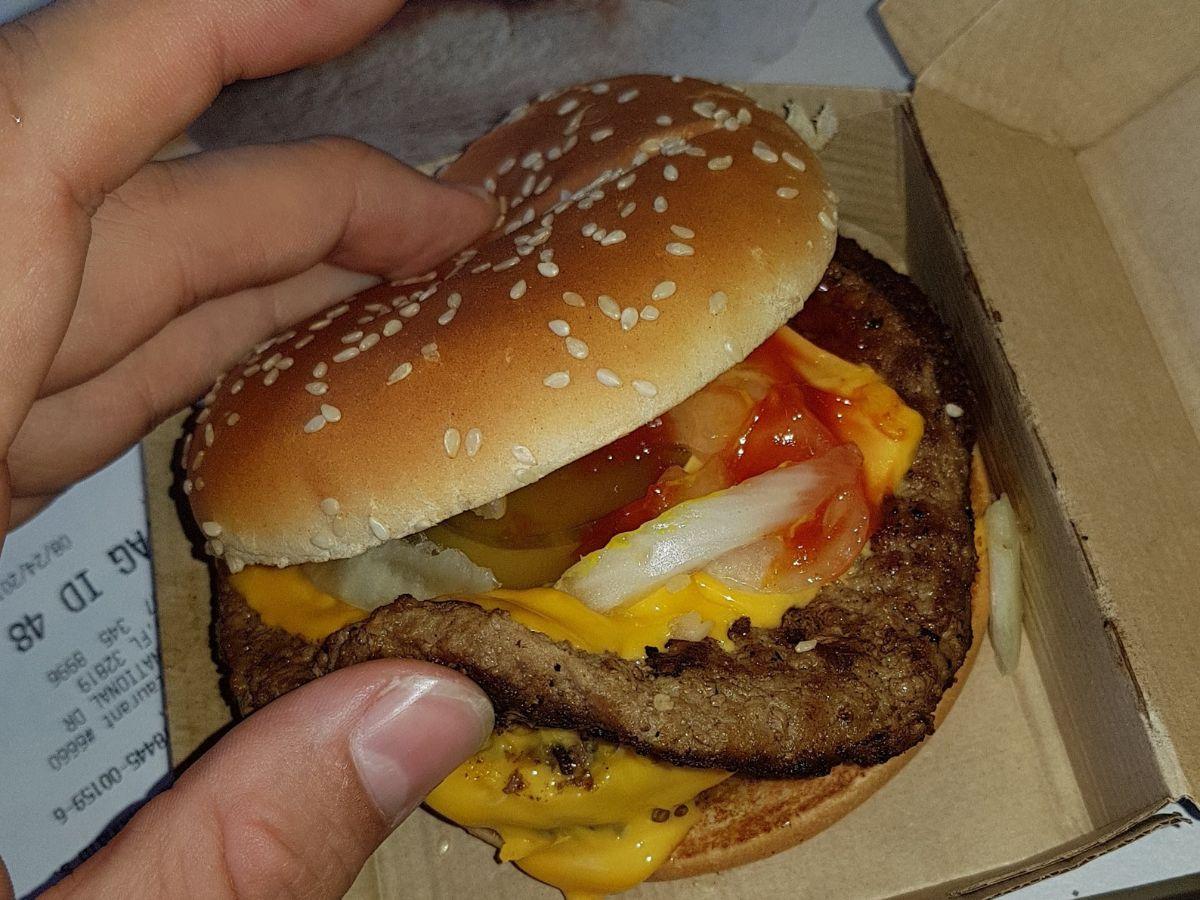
<point>890,634</point>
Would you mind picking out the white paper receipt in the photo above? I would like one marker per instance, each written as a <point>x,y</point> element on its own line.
<point>84,739</point>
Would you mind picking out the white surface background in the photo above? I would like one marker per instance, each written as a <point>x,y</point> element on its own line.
<point>841,43</point>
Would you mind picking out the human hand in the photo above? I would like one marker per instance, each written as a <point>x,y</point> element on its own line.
<point>128,286</point>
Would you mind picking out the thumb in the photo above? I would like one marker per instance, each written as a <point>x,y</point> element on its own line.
<point>294,799</point>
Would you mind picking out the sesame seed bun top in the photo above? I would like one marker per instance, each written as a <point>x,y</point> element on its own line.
<point>655,231</point>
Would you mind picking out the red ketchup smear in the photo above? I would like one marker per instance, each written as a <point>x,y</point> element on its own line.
<point>793,423</point>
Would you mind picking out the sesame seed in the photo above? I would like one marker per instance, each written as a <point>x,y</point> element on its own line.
<point>319,324</point>
<point>368,342</point>
<point>430,352</point>
<point>330,507</point>
<point>197,460</point>
<point>232,419</point>
<point>570,142</point>
<point>704,108</point>
<point>626,180</point>
<point>645,388</point>
<point>600,87</point>
<point>447,316</point>
<point>787,193</point>
<point>489,184</point>
<point>743,115</point>
<point>517,291</point>
<point>663,290</point>
<point>187,486</point>
<point>482,267</point>
<point>546,255</point>
<point>391,327</point>
<point>731,124</point>
<point>506,264</point>
<point>954,411</point>
<point>765,153</point>
<point>531,159</point>
<point>826,222</point>
<point>613,237</point>
<point>212,529</point>
<point>473,441</point>
<point>600,134</point>
<point>557,380</point>
<point>599,234</point>
<point>717,303</point>
<point>609,306</point>
<point>320,369</point>
<point>251,371</point>
<point>677,79</point>
<point>352,337</point>
<point>660,204</point>
<point>627,210</point>
<point>331,413</point>
<point>729,348</point>
<point>343,308</point>
<point>410,309</point>
<point>344,356</point>
<point>576,348</point>
<point>541,188</point>
<point>720,163</point>
<point>523,455</point>
<point>400,373</point>
<point>629,318</point>
<point>270,362</point>
<point>670,172</point>
<point>649,313</point>
<point>303,342</point>
<point>548,269</point>
<point>572,299</point>
<point>316,423</point>
<point>316,388</point>
<point>608,378</point>
<point>507,166</point>
<point>683,232</point>
<point>527,184</point>
<point>628,95</point>
<point>208,435</point>
<point>271,377</point>
<point>451,441</point>
<point>553,153</point>
<point>568,106</point>
<point>677,249</point>
<point>664,121</point>
<point>639,158</point>
<point>559,327</point>
<point>794,161</point>
<point>284,364</point>
<point>588,230</point>
<point>378,528</point>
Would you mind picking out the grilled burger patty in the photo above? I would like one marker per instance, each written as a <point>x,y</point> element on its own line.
<point>890,634</point>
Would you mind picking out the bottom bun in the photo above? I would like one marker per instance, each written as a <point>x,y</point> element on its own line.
<point>747,819</point>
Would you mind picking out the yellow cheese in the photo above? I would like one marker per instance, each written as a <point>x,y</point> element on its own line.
<point>873,418</point>
<point>285,599</point>
<point>587,839</point>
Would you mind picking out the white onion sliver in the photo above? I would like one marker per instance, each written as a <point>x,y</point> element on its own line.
<point>413,566</point>
<point>1004,575</point>
<point>689,536</point>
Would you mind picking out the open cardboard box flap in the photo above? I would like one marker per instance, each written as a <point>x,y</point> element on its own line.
<point>1018,223</point>
<point>1064,136</point>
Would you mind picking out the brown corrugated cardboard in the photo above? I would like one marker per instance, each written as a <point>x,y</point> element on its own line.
<point>1056,266</point>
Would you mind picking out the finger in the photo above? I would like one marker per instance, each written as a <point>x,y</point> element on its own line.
<point>207,225</point>
<point>71,434</point>
<point>25,508</point>
<point>294,799</point>
<point>95,89</point>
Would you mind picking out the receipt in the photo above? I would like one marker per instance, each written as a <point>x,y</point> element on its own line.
<point>84,739</point>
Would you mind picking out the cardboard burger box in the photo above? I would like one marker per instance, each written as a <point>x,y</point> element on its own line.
<point>1042,184</point>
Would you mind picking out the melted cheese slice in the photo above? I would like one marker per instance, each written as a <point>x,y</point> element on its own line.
<point>587,839</point>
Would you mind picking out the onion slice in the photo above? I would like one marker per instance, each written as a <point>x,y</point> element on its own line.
<point>688,536</point>
<point>1004,571</point>
<point>413,566</point>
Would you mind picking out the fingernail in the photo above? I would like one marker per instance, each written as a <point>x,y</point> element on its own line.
<point>413,735</point>
<point>478,190</point>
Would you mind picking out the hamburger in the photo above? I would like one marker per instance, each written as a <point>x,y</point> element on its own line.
<point>681,479</point>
